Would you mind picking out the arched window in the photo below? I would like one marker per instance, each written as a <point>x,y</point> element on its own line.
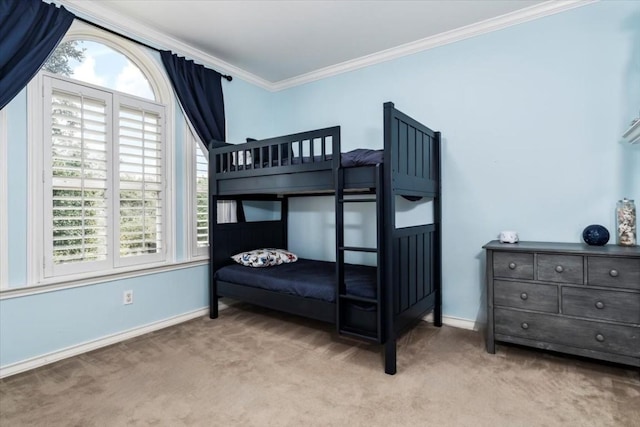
<point>104,193</point>
<point>100,65</point>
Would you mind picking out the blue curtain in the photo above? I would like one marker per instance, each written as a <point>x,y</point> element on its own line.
<point>199,90</point>
<point>30,30</point>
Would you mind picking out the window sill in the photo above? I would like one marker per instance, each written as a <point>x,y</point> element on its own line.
<point>61,283</point>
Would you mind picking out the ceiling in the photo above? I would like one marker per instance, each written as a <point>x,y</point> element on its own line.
<point>278,42</point>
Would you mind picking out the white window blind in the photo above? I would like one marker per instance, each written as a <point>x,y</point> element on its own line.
<point>77,188</point>
<point>140,180</point>
<point>202,198</point>
<point>104,180</point>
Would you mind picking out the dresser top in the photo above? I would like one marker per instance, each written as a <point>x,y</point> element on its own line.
<point>577,248</point>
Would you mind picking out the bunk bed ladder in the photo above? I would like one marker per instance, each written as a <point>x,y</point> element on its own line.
<point>366,325</point>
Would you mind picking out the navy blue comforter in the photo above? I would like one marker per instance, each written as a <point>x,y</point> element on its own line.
<point>305,278</point>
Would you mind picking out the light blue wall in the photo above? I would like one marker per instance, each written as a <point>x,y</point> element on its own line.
<point>250,112</point>
<point>34,325</point>
<point>17,188</point>
<point>531,118</point>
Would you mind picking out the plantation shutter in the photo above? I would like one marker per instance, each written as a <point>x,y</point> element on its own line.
<point>104,180</point>
<point>140,178</point>
<point>202,198</point>
<point>77,164</point>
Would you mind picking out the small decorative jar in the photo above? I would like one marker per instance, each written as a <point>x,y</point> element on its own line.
<point>626,222</point>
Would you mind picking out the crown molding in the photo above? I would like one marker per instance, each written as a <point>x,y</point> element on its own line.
<point>93,11</point>
<point>523,15</point>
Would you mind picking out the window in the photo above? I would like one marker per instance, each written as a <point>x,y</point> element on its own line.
<point>202,199</point>
<point>103,178</point>
<point>105,188</point>
<point>76,176</point>
<point>199,196</point>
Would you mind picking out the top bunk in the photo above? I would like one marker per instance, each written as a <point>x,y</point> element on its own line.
<point>307,162</point>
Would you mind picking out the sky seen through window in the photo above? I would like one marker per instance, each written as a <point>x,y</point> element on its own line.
<point>103,66</point>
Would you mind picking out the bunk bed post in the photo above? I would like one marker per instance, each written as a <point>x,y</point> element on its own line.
<point>213,294</point>
<point>388,296</point>
<point>390,357</point>
<point>338,182</point>
<point>437,216</point>
<point>339,220</point>
<point>213,220</point>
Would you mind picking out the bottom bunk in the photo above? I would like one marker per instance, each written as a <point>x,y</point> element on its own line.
<point>305,287</point>
<point>304,278</point>
<point>376,314</point>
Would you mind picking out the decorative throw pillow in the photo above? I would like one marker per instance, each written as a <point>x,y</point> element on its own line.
<point>266,257</point>
<point>282,256</point>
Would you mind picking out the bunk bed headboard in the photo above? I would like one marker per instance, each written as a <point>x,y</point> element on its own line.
<point>412,152</point>
<point>411,149</point>
<point>231,238</point>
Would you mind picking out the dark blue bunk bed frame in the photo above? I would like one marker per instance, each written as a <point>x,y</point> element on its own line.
<point>409,279</point>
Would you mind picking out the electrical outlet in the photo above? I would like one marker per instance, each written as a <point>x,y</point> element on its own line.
<point>127,297</point>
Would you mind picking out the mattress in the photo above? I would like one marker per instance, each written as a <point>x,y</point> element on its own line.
<point>354,158</point>
<point>304,278</point>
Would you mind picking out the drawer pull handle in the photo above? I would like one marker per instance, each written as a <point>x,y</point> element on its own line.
<point>559,269</point>
<point>524,296</point>
<point>599,337</point>
<point>613,273</point>
<point>525,325</point>
<point>512,265</point>
<point>599,305</point>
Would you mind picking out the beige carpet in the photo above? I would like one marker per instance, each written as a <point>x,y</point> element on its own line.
<point>254,367</point>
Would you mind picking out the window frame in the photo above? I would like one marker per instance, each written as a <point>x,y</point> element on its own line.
<point>150,65</point>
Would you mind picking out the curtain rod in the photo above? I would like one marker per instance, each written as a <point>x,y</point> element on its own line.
<point>224,76</point>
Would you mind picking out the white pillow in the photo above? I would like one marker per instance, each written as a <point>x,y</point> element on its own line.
<point>266,257</point>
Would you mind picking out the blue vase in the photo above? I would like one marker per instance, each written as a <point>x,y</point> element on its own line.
<point>595,235</point>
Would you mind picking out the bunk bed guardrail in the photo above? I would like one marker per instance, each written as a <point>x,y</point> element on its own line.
<point>299,153</point>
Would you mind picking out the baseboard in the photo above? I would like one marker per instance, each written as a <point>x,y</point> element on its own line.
<point>36,362</point>
<point>455,322</point>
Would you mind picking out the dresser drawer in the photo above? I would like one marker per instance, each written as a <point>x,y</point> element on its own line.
<point>530,296</point>
<point>622,340</point>
<point>513,265</point>
<point>560,268</point>
<point>605,305</point>
<point>614,272</point>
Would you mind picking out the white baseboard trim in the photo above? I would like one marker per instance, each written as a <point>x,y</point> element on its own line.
<point>54,356</point>
<point>455,322</point>
<point>36,362</point>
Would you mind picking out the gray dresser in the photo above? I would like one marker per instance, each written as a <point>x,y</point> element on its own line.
<point>566,297</point>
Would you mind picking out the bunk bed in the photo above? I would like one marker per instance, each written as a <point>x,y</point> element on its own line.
<point>372,303</point>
